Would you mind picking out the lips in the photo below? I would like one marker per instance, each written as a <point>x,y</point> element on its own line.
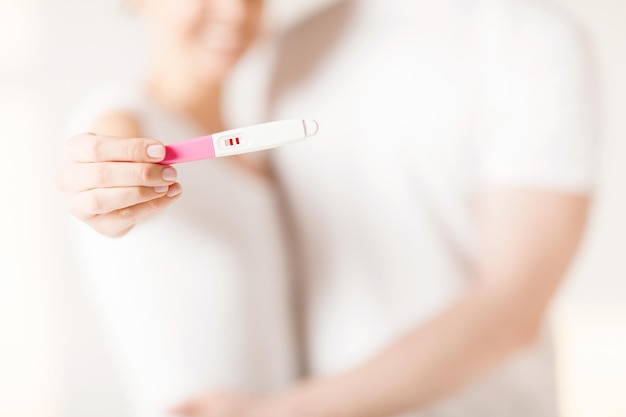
<point>225,39</point>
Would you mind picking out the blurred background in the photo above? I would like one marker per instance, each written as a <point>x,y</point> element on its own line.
<point>54,360</point>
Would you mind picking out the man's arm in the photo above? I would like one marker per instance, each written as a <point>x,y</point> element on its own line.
<point>528,240</point>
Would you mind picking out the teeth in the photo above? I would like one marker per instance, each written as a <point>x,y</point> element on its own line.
<point>222,38</point>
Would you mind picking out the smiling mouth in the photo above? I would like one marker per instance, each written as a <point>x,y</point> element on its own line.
<point>223,39</point>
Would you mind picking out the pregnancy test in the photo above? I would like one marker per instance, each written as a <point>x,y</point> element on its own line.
<point>240,141</point>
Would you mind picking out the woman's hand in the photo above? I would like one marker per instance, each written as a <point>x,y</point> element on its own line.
<point>113,183</point>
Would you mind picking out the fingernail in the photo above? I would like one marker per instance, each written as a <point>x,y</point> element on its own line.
<point>156,151</point>
<point>169,174</point>
<point>174,191</point>
<point>160,190</point>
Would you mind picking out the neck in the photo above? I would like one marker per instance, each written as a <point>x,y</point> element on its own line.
<point>199,100</point>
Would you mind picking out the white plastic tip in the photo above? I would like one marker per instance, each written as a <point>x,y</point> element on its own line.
<point>310,127</point>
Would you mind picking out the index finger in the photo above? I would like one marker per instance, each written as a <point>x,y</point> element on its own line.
<point>89,147</point>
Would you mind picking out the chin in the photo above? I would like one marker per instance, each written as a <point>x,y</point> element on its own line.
<point>219,63</point>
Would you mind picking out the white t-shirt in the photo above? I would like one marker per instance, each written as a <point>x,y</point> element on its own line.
<point>197,298</point>
<point>422,106</point>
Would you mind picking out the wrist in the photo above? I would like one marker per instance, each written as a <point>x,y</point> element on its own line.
<point>310,398</point>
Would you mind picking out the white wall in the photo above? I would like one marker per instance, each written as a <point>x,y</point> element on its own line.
<point>53,358</point>
<point>591,319</point>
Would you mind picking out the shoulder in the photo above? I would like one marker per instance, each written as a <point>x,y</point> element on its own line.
<point>534,41</point>
<point>534,23</point>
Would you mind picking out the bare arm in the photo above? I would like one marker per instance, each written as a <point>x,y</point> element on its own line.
<point>528,240</point>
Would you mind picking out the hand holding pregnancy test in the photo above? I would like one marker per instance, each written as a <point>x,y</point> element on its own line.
<point>115,182</point>
<point>240,141</point>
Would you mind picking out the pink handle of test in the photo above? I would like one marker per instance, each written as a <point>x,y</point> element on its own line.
<point>189,150</point>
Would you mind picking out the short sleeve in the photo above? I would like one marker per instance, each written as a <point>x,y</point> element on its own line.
<point>539,123</point>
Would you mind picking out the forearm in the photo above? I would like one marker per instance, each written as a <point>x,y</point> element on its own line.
<point>529,239</point>
<point>428,364</point>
